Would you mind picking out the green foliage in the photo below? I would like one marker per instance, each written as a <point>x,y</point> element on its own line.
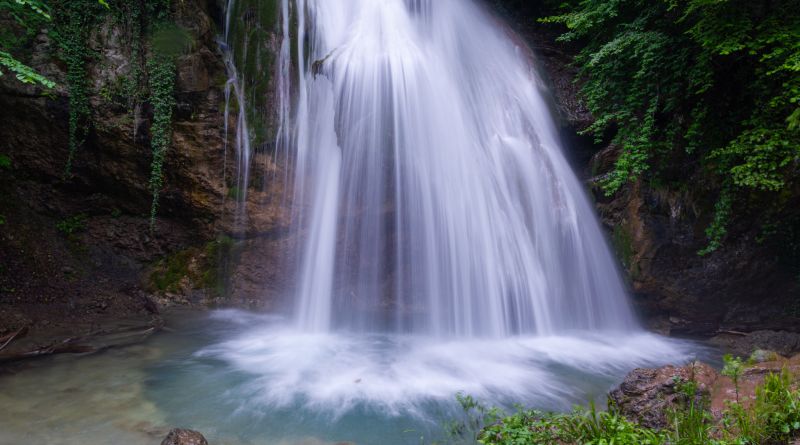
<point>72,225</point>
<point>474,416</point>
<point>591,427</point>
<point>200,268</point>
<point>73,22</point>
<point>171,271</point>
<point>583,426</point>
<point>773,417</point>
<point>703,83</point>
<point>5,162</point>
<point>623,244</point>
<point>162,84</point>
<point>236,193</point>
<point>733,368</point>
<point>217,253</point>
<point>690,422</point>
<point>252,24</point>
<point>24,73</point>
<point>29,16</point>
<point>690,425</point>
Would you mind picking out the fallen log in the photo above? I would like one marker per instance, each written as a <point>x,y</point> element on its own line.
<point>6,340</point>
<point>85,344</point>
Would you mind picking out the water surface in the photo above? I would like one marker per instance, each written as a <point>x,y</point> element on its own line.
<point>244,378</point>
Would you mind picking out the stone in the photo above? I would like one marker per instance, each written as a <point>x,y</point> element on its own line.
<point>763,355</point>
<point>179,436</point>
<point>780,342</point>
<point>646,394</point>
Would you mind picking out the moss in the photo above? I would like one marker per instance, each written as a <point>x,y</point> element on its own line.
<point>217,260</point>
<point>72,225</point>
<point>171,271</point>
<point>236,193</point>
<point>252,29</point>
<point>623,245</point>
<point>206,268</point>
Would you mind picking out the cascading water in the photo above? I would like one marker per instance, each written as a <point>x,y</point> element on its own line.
<point>447,248</point>
<point>435,181</point>
<point>235,89</point>
<point>447,245</point>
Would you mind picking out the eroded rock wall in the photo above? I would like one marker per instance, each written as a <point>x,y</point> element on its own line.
<point>77,249</point>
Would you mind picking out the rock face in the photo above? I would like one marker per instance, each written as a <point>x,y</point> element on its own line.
<point>658,232</point>
<point>781,342</point>
<point>77,250</point>
<point>184,437</point>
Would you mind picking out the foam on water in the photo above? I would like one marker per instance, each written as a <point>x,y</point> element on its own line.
<point>398,374</point>
<point>276,385</point>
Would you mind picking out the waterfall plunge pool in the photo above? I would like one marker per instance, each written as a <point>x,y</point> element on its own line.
<point>245,378</point>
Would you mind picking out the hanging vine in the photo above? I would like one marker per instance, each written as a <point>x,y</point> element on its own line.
<point>155,43</point>
<point>166,44</point>
<point>161,71</point>
<point>73,21</point>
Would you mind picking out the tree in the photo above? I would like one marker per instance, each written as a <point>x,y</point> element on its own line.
<point>30,16</point>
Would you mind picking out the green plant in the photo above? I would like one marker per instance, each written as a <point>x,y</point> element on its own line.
<point>171,271</point>
<point>709,85</point>
<point>167,43</point>
<point>5,162</point>
<point>72,225</point>
<point>475,416</point>
<point>236,193</point>
<point>777,407</point>
<point>73,22</point>
<point>162,84</point>
<point>217,257</point>
<point>582,426</point>
<point>592,427</point>
<point>733,368</point>
<point>29,16</point>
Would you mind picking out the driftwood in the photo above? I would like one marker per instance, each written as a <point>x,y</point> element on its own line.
<point>6,340</point>
<point>721,331</point>
<point>78,345</point>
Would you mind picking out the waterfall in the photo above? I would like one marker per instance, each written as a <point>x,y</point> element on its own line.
<point>446,245</point>
<point>429,183</point>
<point>235,88</point>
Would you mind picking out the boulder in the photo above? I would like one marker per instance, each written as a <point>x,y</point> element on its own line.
<point>646,394</point>
<point>180,436</point>
<point>781,342</point>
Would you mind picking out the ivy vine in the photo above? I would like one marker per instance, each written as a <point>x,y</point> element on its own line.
<point>161,70</point>
<point>73,21</point>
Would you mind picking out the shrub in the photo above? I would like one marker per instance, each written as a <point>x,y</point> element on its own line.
<point>72,225</point>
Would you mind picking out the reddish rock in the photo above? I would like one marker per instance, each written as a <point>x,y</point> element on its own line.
<point>646,394</point>
<point>184,437</point>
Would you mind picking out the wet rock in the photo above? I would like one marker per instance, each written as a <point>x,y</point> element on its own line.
<point>647,394</point>
<point>781,342</point>
<point>180,436</point>
<point>762,355</point>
